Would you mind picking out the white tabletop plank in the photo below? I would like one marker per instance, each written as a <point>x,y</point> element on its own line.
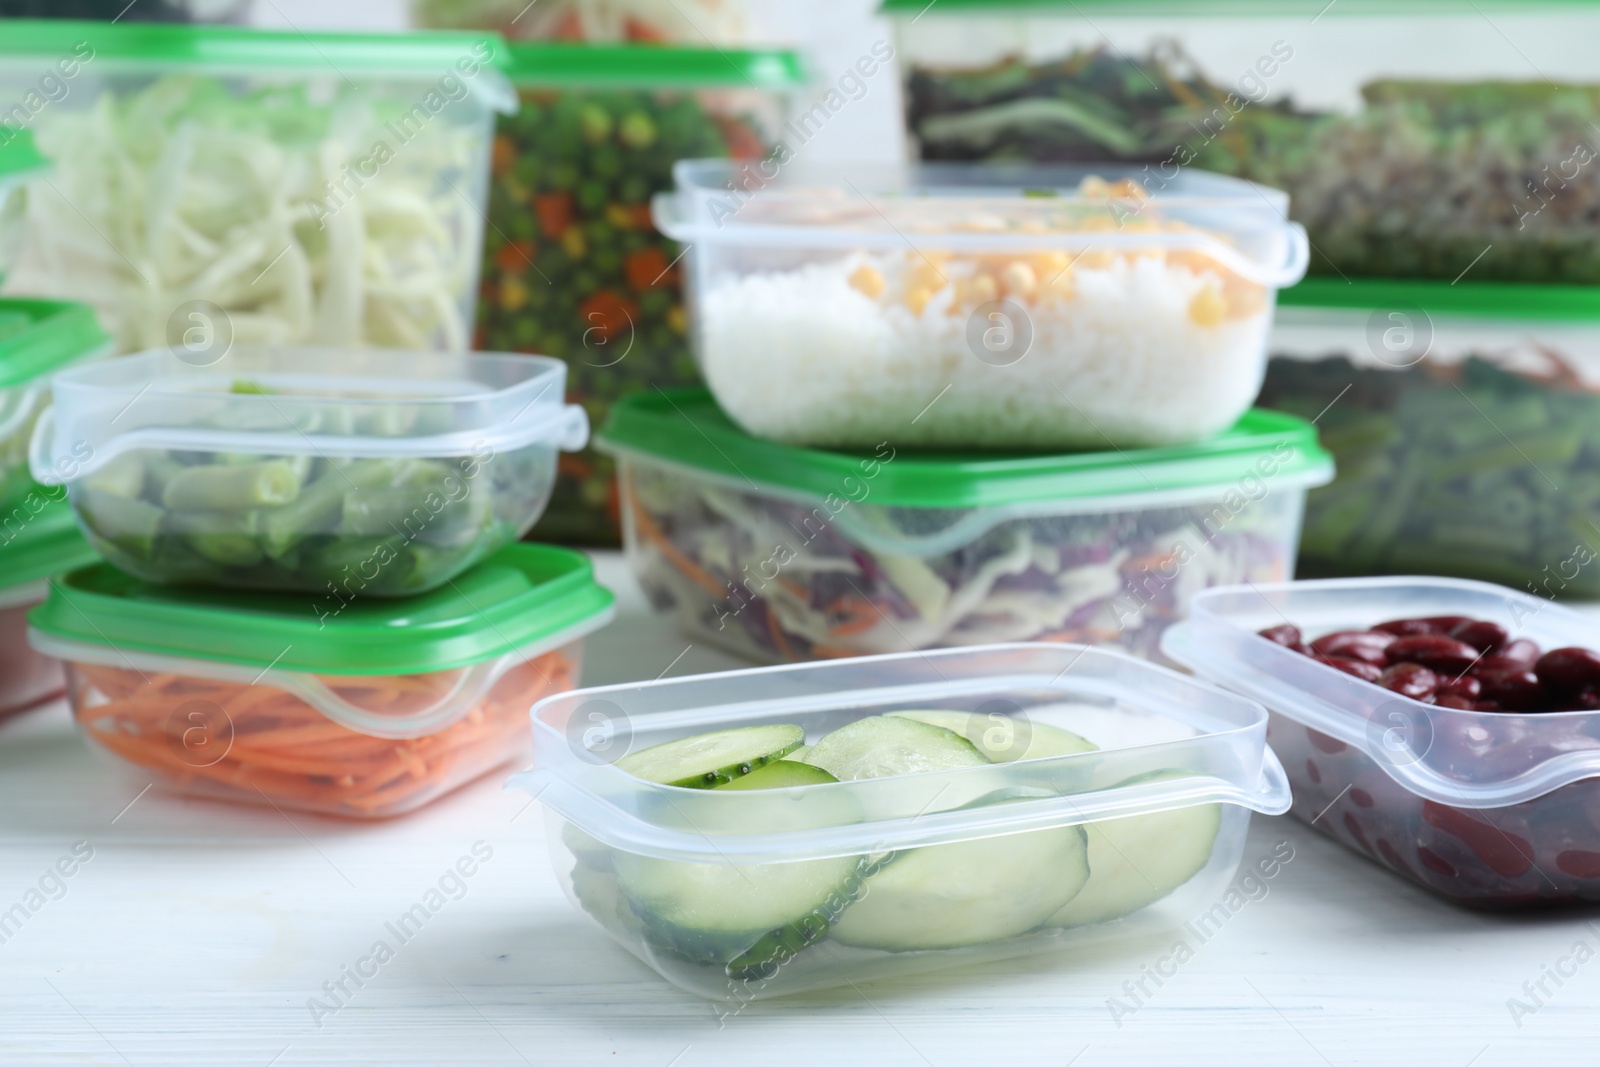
<point>197,933</point>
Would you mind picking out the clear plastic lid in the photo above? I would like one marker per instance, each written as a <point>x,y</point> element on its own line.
<point>989,208</point>
<point>1468,759</point>
<point>290,400</point>
<point>1163,741</point>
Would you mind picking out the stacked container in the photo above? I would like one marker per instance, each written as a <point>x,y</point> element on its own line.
<point>573,266</point>
<point>220,182</point>
<point>951,405</point>
<point>319,602</point>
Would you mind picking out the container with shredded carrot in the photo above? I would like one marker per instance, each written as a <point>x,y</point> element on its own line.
<point>368,709</point>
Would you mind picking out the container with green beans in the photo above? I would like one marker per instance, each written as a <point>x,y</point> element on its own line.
<point>1465,424</point>
<point>343,473</point>
<point>573,267</point>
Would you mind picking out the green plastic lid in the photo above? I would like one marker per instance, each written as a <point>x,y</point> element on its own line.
<point>521,595</point>
<point>40,336</point>
<point>38,538</point>
<point>647,65</point>
<point>1498,300</point>
<point>243,51</point>
<point>18,154</point>
<point>685,427</point>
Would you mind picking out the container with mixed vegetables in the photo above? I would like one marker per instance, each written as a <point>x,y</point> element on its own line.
<point>816,845</point>
<point>573,265</point>
<point>343,473</point>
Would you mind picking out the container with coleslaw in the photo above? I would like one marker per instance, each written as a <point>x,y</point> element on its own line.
<point>573,267</point>
<point>38,540</point>
<point>1445,729</point>
<point>37,338</point>
<point>345,473</point>
<point>374,710</point>
<point>961,306</point>
<point>261,185</point>
<point>761,832</point>
<point>784,553</point>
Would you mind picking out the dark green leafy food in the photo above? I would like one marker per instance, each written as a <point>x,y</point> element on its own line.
<point>1467,470</point>
<point>574,268</point>
<point>1419,183</point>
<point>345,527</point>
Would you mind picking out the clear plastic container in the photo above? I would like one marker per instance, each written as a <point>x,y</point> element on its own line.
<point>1175,770</point>
<point>979,307</point>
<point>20,161</point>
<point>1490,809</point>
<point>37,338</point>
<point>690,22</point>
<point>573,266</point>
<point>1411,137</point>
<point>351,472</point>
<point>1463,421</point>
<point>366,709</point>
<point>784,553</point>
<point>267,186</point>
<point>38,539</point>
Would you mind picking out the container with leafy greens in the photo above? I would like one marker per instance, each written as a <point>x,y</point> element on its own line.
<point>573,265</point>
<point>344,473</point>
<point>1414,139</point>
<point>1464,422</point>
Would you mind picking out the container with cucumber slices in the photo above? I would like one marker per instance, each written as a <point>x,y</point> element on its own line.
<point>340,472</point>
<point>766,831</point>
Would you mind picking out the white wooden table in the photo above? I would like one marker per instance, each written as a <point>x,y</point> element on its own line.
<point>197,933</point>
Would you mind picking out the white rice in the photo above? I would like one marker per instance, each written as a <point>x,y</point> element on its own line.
<point>804,357</point>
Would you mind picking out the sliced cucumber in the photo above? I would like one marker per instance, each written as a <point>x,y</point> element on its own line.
<point>1137,860</point>
<point>799,754</point>
<point>1003,738</point>
<point>781,774</point>
<point>945,896</point>
<point>881,745</point>
<point>705,760</point>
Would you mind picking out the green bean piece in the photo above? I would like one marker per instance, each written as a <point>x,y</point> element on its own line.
<point>129,524</point>
<point>122,475</point>
<point>317,508</point>
<point>232,488</point>
<point>434,503</point>
<point>228,538</point>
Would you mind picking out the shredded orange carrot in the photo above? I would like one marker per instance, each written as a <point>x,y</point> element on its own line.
<point>674,555</point>
<point>245,741</point>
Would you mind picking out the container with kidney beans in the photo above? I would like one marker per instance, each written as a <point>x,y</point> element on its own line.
<point>1449,730</point>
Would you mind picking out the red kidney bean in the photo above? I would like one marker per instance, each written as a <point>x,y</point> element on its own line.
<point>1450,700</point>
<point>1367,672</point>
<point>1507,854</point>
<point>1487,705</point>
<point>1407,627</point>
<point>1445,623</point>
<point>1286,635</point>
<point>1588,698</point>
<point>1410,680</point>
<point>1481,634</point>
<point>1434,651</point>
<point>1514,690</point>
<point>1568,670</point>
<point>1465,687</point>
<point>1519,655</point>
<point>1355,644</point>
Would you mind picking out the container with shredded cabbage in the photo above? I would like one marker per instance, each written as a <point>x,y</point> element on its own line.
<point>212,184</point>
<point>784,553</point>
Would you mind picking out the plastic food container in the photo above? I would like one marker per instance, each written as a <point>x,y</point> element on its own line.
<point>573,266</point>
<point>784,553</point>
<point>1410,137</point>
<point>254,185</point>
<point>980,307</point>
<point>343,472</point>
<point>367,709</point>
<point>995,852</point>
<point>19,161</point>
<point>1462,419</point>
<point>38,539</point>
<point>1490,809</point>
<point>37,338</point>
